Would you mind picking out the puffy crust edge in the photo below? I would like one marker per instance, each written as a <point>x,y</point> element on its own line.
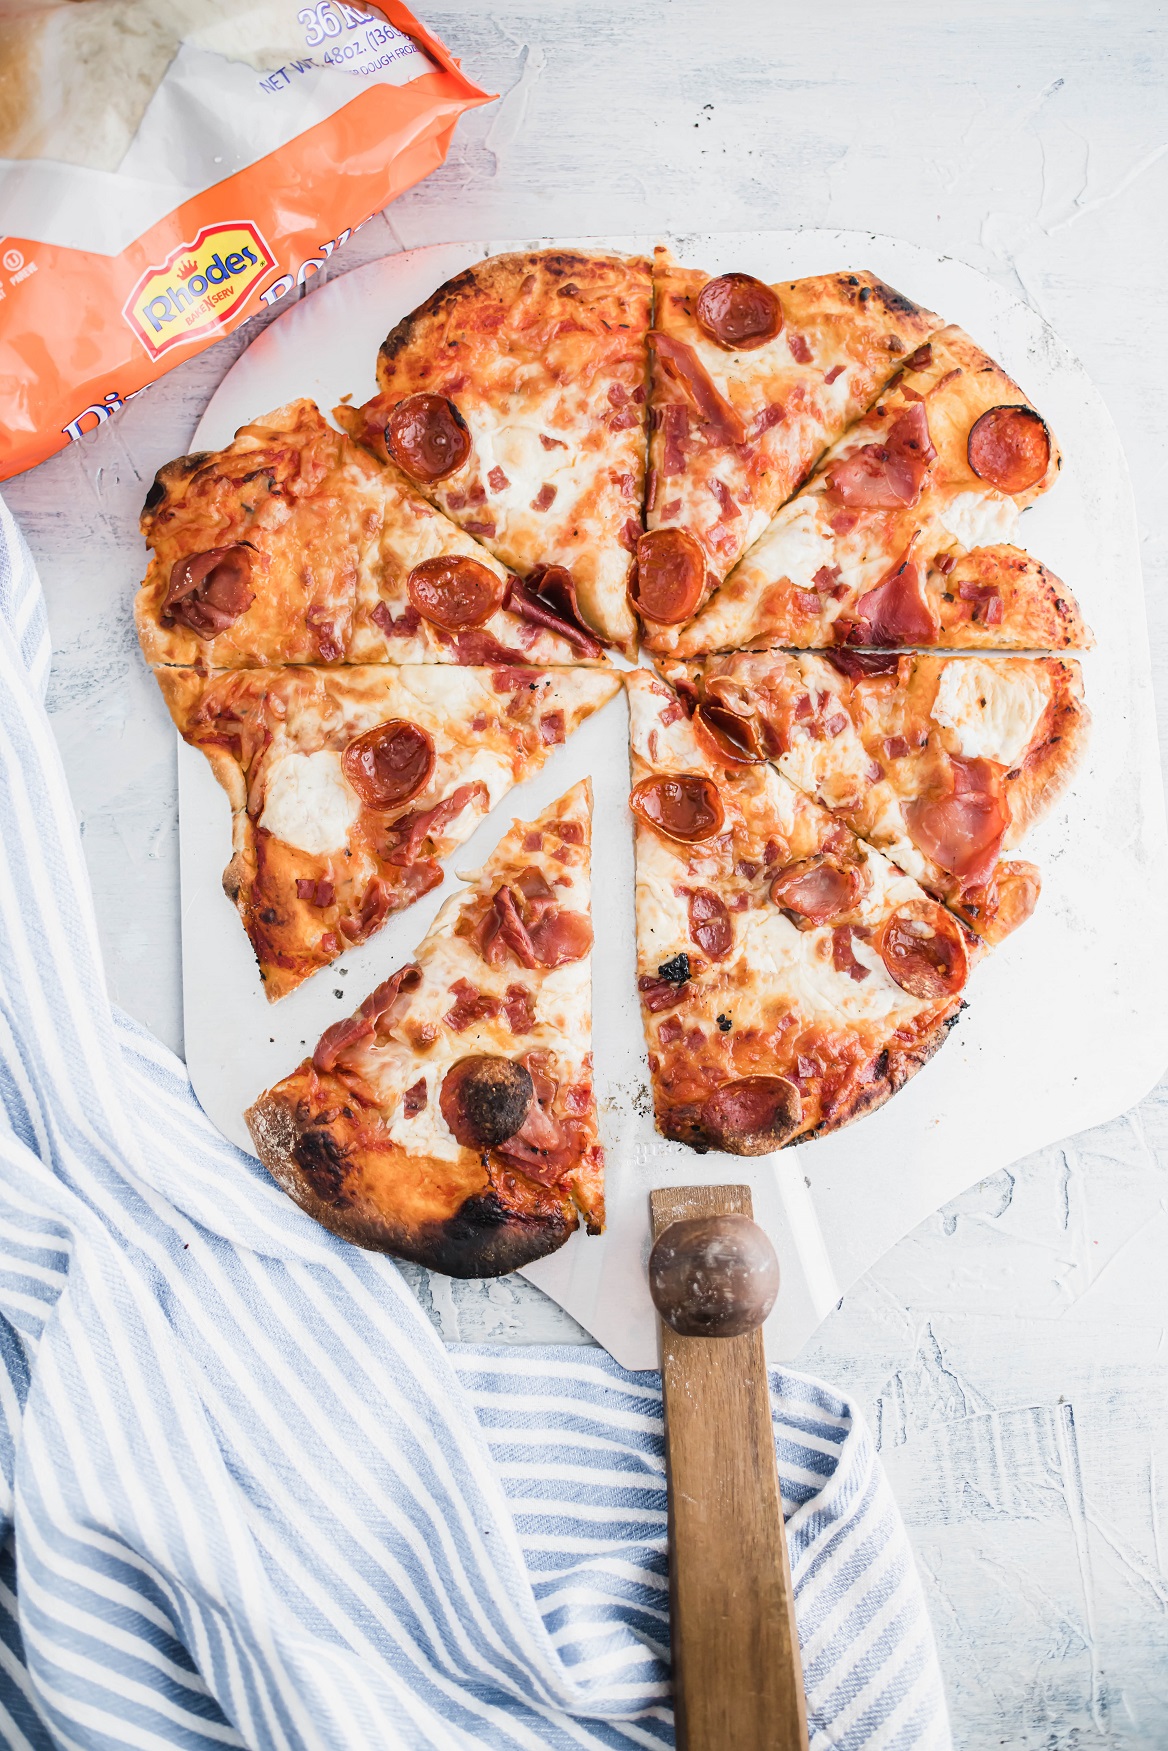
<point>483,1238</point>
<point>900,1067</point>
<point>1049,767</point>
<point>495,280</point>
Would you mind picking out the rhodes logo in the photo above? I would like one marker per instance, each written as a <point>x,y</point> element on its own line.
<point>197,287</point>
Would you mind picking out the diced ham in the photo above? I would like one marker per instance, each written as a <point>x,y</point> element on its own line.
<point>404,625</point>
<point>497,480</point>
<point>843,957</point>
<point>658,994</point>
<point>470,1005</point>
<point>519,1009</point>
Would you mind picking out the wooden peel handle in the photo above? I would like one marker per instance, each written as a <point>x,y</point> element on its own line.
<point>737,1676</point>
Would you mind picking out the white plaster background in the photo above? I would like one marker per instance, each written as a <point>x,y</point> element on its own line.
<point>1011,1352</point>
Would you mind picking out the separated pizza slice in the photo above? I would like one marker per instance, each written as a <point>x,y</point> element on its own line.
<point>452,1119</point>
<point>349,785</point>
<point>941,762</point>
<point>751,383</point>
<point>294,545</point>
<point>791,977</point>
<point>904,534</point>
<point>514,398</point>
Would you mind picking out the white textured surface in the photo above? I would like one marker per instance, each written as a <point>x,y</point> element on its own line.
<point>1011,1350</point>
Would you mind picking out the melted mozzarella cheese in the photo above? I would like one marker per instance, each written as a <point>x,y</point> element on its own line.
<point>797,543</point>
<point>980,519</point>
<point>308,804</point>
<point>993,711</point>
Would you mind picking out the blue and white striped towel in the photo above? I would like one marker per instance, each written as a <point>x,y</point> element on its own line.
<point>248,1497</point>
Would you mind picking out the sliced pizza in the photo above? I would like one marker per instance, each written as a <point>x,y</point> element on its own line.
<point>294,545</point>
<point>452,1119</point>
<point>349,785</point>
<point>941,762</point>
<point>515,398</point>
<point>792,978</point>
<point>751,383</point>
<point>904,534</point>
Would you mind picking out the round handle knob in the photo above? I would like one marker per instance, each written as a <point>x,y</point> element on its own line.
<point>713,1276</point>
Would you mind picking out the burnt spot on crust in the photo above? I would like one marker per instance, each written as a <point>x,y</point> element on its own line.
<point>487,1239</point>
<point>323,1162</point>
<point>892,302</point>
<point>450,292</point>
<point>889,1073</point>
<point>171,477</point>
<point>487,1236</point>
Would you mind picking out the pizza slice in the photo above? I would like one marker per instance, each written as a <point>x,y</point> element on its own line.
<point>349,785</point>
<point>452,1119</point>
<point>791,977</point>
<point>751,383</point>
<point>294,545</point>
<point>941,762</point>
<point>514,398</point>
<point>904,534</point>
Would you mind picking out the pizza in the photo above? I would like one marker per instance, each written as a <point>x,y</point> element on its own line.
<point>751,383</point>
<point>791,976</point>
<point>349,785</point>
<point>294,545</point>
<point>905,533</point>
<point>515,399</point>
<point>943,762</point>
<point>452,1119</point>
<point>802,501</point>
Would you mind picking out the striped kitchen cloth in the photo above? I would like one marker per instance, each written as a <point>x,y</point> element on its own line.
<point>249,1498</point>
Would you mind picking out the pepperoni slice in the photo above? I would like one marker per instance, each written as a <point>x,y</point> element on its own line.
<point>739,312</point>
<point>684,805</point>
<point>454,592</point>
<point>753,1115</point>
<point>924,951</point>
<point>709,924</point>
<point>427,436</point>
<point>729,736</point>
<point>486,1100</point>
<point>390,764</point>
<point>209,591</point>
<point>669,576</point>
<point>1010,448</point>
<point>817,890</point>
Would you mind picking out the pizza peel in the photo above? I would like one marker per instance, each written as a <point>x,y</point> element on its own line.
<point>1065,1026</point>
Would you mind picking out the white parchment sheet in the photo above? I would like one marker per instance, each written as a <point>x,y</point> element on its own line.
<point>1067,1022</point>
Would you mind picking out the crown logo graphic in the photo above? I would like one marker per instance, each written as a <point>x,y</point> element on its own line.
<point>188,267</point>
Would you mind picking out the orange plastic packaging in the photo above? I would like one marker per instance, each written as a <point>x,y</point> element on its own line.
<point>84,328</point>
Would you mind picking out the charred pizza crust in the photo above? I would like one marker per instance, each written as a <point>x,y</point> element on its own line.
<point>294,545</point>
<point>896,540</point>
<point>543,356</point>
<point>766,949</point>
<point>324,851</point>
<point>942,762</point>
<point>360,1134</point>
